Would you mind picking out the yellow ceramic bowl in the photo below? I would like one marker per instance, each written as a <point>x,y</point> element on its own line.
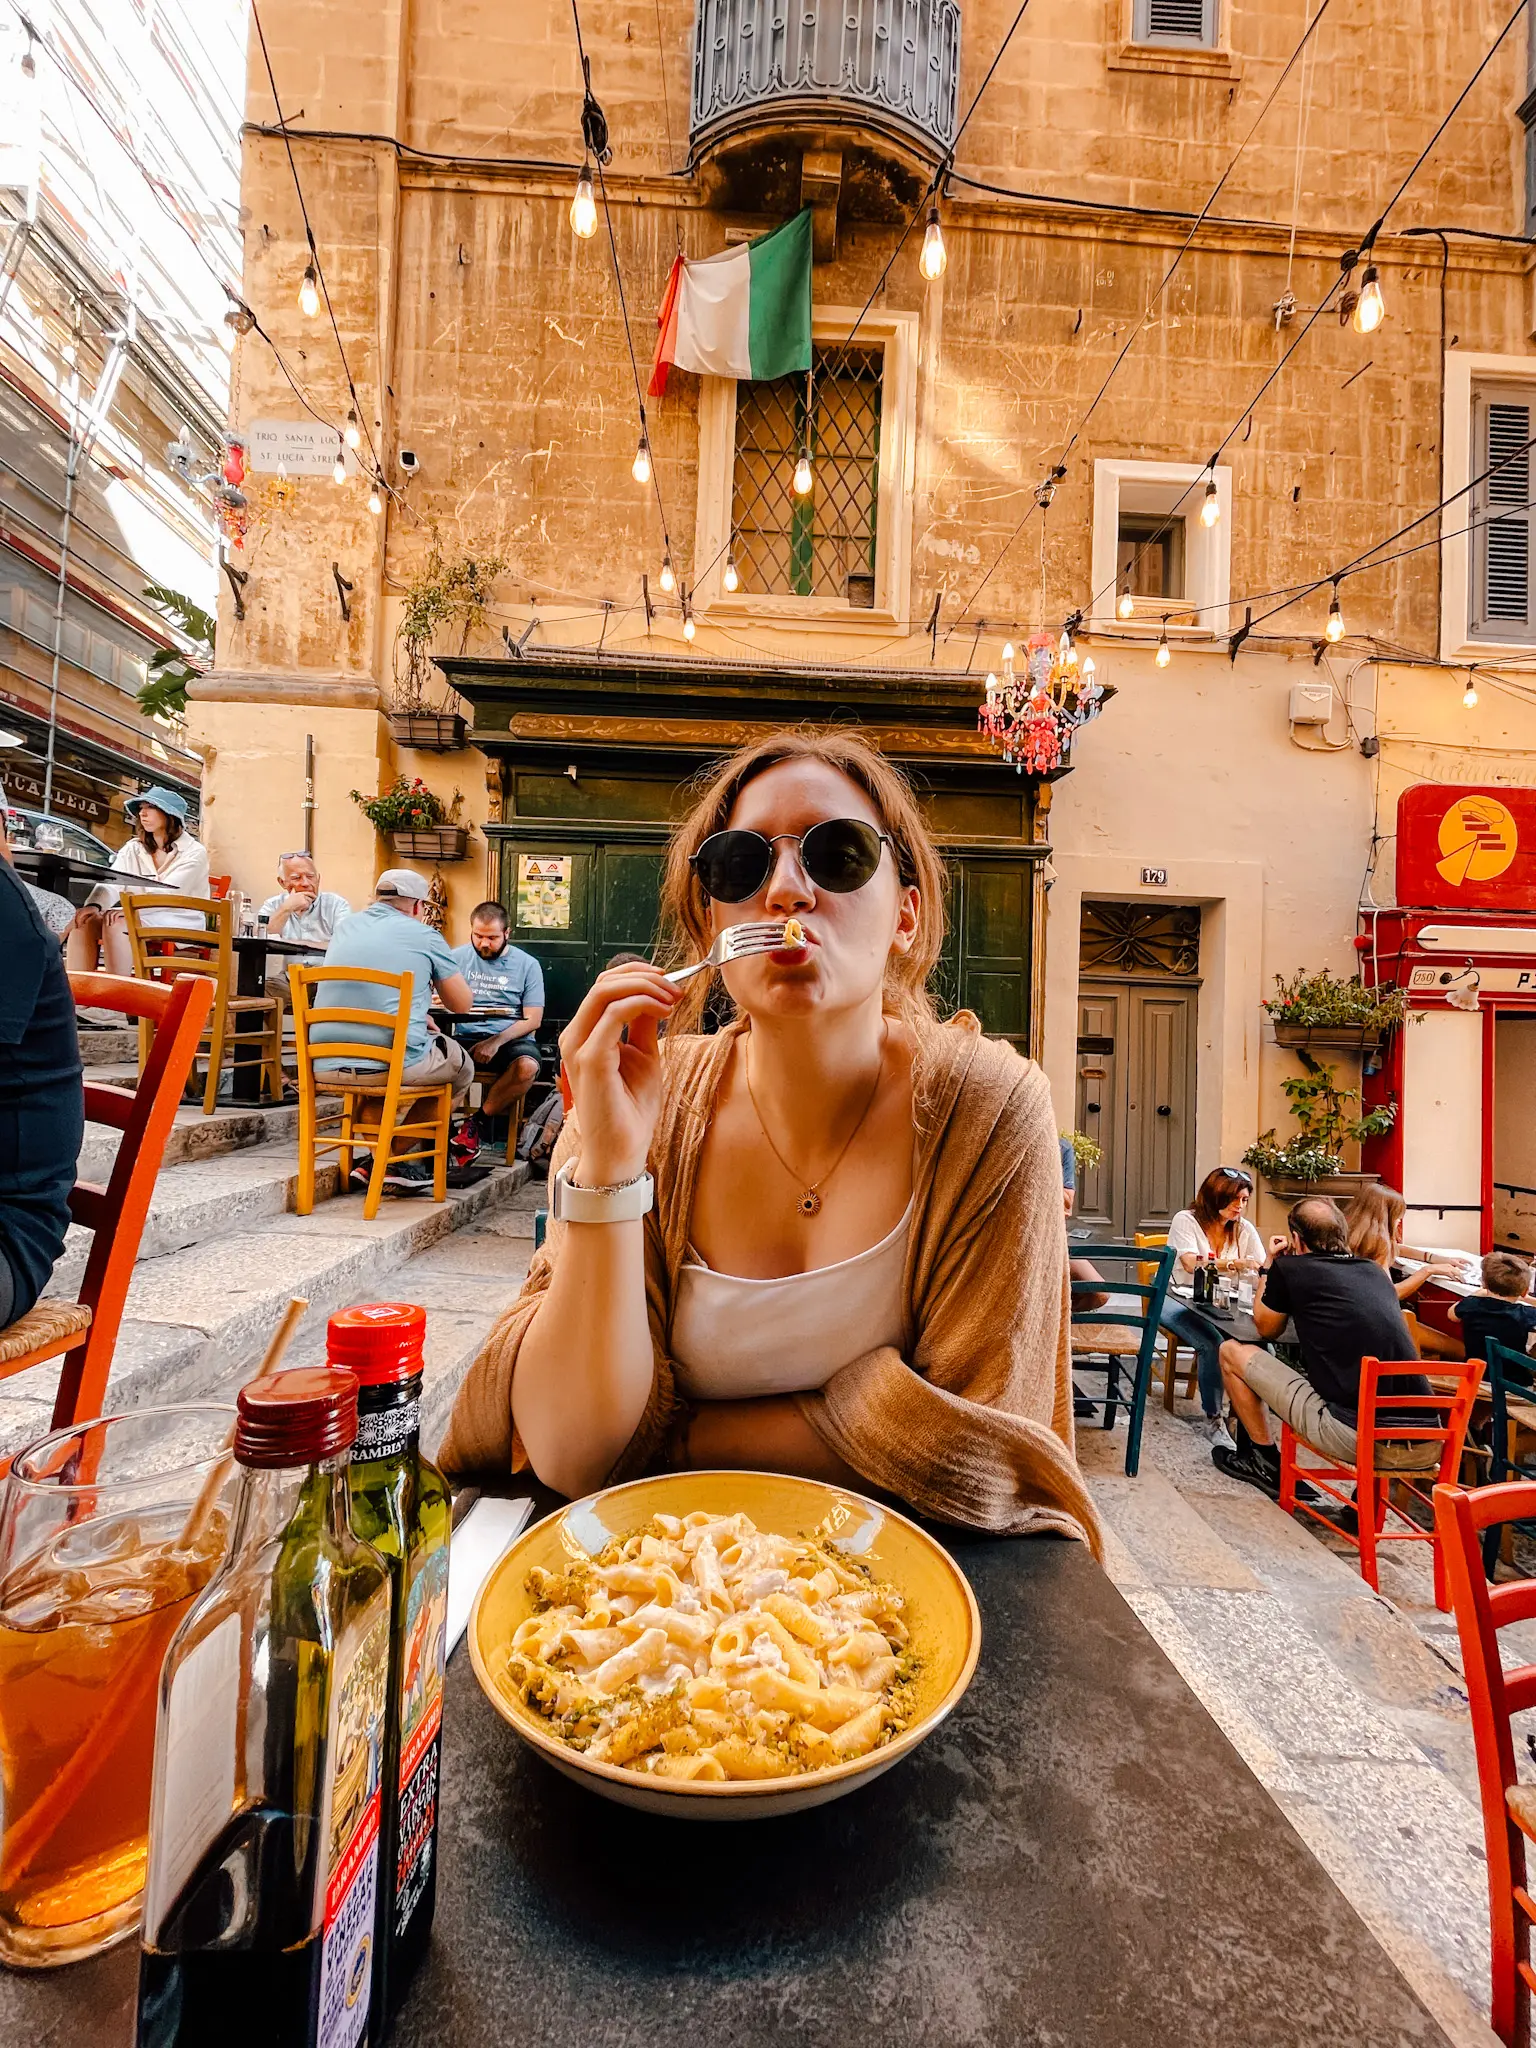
<point>940,1612</point>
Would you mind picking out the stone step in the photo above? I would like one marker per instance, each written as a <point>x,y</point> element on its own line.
<point>193,1135</point>
<point>199,1318</point>
<point>108,1047</point>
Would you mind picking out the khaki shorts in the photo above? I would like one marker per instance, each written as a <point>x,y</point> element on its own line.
<point>444,1060</point>
<point>1297,1402</point>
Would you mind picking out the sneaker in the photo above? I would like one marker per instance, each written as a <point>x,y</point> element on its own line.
<point>1249,1466</point>
<point>409,1177</point>
<point>362,1170</point>
<point>1217,1431</point>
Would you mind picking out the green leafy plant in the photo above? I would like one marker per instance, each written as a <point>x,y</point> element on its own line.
<point>1329,999</point>
<point>1085,1150</point>
<point>168,671</point>
<point>448,591</point>
<point>1330,1118</point>
<point>406,806</point>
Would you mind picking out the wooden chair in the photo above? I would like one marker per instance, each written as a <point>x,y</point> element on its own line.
<point>357,1130</point>
<point>1378,1518</point>
<point>1117,1333</point>
<point>83,1332</point>
<point>1509,1381</point>
<point>1495,1692</point>
<point>202,943</point>
<point>1171,1345</point>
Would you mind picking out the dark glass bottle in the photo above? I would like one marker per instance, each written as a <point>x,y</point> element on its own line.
<point>401,1505</point>
<point>1202,1286</point>
<point>269,1753</point>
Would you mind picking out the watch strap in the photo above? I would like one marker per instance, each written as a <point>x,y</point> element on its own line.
<point>626,1203</point>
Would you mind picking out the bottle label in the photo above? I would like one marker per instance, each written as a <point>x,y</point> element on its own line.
<point>386,1433</point>
<point>202,1734</point>
<point>422,1665</point>
<point>355,1757</point>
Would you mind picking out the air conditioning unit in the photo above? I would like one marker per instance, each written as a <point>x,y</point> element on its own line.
<point>1311,703</point>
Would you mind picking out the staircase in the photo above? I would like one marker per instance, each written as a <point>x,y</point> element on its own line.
<point>223,1252</point>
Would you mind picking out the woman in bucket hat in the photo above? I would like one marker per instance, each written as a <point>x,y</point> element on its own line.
<point>161,849</point>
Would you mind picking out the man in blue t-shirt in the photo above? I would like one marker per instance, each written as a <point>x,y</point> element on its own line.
<point>389,935</point>
<point>509,982</point>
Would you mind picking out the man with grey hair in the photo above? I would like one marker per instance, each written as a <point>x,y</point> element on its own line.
<point>390,936</point>
<point>302,913</point>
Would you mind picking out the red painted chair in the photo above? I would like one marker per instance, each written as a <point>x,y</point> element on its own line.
<point>83,1333</point>
<point>1378,1518</point>
<point>1495,1692</point>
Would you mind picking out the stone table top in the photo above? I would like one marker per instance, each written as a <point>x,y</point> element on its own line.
<point>1077,1857</point>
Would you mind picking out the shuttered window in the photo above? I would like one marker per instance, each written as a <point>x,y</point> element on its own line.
<point>1188,22</point>
<point>1503,601</point>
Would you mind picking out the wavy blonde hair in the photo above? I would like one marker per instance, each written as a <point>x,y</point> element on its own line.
<point>1374,1216</point>
<point>685,908</point>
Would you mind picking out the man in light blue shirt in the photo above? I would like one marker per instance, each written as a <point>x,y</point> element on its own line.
<point>390,936</point>
<point>302,913</point>
<point>509,982</point>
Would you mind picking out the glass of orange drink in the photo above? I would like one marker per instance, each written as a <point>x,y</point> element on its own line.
<point>100,1557</point>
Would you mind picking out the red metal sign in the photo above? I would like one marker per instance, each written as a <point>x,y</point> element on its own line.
<point>1465,847</point>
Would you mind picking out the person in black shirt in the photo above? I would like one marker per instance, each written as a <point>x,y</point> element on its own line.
<point>1342,1309</point>
<point>42,1097</point>
<point>1504,1311</point>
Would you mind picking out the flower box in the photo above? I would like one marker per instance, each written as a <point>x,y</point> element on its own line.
<point>1333,1037</point>
<point>444,842</point>
<point>429,732</point>
<point>1339,1187</point>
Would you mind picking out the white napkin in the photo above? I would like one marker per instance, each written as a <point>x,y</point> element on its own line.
<point>480,1542</point>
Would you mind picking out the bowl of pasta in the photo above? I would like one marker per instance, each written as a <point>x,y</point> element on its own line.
<point>724,1645</point>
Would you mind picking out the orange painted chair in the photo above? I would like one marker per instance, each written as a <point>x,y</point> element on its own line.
<point>83,1333</point>
<point>1495,1692</point>
<point>1378,1518</point>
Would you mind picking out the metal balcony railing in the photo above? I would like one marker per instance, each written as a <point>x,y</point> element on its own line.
<point>891,65</point>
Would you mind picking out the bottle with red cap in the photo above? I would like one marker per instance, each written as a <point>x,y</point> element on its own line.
<point>263,1875</point>
<point>401,1505</point>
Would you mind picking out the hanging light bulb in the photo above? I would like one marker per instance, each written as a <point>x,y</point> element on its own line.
<point>731,580</point>
<point>339,473</point>
<point>375,502</point>
<point>1370,307</point>
<point>309,292</point>
<point>1333,632</point>
<point>688,626</point>
<point>1164,652</point>
<point>803,474</point>
<point>584,206</point>
<point>352,434</point>
<point>1127,605</point>
<point>1210,511</point>
<point>641,469</point>
<point>666,579</point>
<point>935,257</point>
<point>1469,694</point>
<point>28,61</point>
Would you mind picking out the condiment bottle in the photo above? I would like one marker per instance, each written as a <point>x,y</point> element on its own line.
<point>269,1752</point>
<point>401,1505</point>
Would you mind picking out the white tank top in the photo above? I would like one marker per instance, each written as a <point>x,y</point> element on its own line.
<point>734,1338</point>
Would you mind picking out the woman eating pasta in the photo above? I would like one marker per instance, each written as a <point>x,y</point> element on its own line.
<point>826,1240</point>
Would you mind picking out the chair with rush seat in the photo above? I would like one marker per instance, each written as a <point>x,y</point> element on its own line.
<point>1121,1338</point>
<point>1171,1345</point>
<point>1433,1418</point>
<point>1495,1692</point>
<point>83,1333</point>
<point>381,1085</point>
<point>202,943</point>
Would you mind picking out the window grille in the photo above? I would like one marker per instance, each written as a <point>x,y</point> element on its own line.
<point>822,545</point>
<point>1504,419</point>
<point>1191,22</point>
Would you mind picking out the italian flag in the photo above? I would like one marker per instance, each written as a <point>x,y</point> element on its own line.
<point>743,313</point>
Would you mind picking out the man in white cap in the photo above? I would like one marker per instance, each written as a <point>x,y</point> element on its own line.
<point>390,936</point>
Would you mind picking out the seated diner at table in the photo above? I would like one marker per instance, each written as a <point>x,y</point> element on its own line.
<point>504,979</point>
<point>302,914</point>
<point>1376,1232</point>
<point>1215,1225</point>
<point>1343,1309</point>
<point>161,849</point>
<point>1502,1310</point>
<point>848,1256</point>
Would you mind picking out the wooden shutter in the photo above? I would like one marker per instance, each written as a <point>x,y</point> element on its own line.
<point>1176,21</point>
<point>1502,597</point>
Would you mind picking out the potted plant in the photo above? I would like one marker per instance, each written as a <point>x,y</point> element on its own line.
<point>420,826</point>
<point>447,592</point>
<point>1312,1162</point>
<point>1326,1010</point>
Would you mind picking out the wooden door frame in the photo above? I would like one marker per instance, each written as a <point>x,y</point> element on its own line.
<point>1128,985</point>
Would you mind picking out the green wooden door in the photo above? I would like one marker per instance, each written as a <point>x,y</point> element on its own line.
<point>986,962</point>
<point>614,890</point>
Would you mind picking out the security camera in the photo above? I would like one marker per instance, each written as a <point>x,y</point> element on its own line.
<point>410,461</point>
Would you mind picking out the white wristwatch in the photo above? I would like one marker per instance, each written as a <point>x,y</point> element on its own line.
<point>626,1203</point>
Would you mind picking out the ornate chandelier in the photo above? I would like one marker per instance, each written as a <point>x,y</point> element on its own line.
<point>1031,717</point>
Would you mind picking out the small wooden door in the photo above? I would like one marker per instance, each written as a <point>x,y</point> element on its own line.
<point>985,965</point>
<point>1136,1097</point>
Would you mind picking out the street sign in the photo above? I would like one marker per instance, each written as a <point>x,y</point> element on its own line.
<point>298,447</point>
<point>1466,847</point>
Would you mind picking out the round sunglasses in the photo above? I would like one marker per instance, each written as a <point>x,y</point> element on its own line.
<point>839,855</point>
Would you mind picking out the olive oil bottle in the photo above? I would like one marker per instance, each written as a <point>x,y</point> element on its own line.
<point>401,1505</point>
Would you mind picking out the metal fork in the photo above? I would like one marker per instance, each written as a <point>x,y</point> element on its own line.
<point>736,942</point>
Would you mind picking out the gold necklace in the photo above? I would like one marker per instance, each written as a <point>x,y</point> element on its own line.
<point>809,1203</point>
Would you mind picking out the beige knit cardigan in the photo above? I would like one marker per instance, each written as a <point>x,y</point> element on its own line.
<point>971,1421</point>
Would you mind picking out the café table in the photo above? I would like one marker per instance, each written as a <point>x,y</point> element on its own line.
<point>57,871</point>
<point>251,980</point>
<point>1232,1321</point>
<point>1077,1857</point>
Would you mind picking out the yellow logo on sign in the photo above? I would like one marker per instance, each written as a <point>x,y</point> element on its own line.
<point>1478,840</point>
